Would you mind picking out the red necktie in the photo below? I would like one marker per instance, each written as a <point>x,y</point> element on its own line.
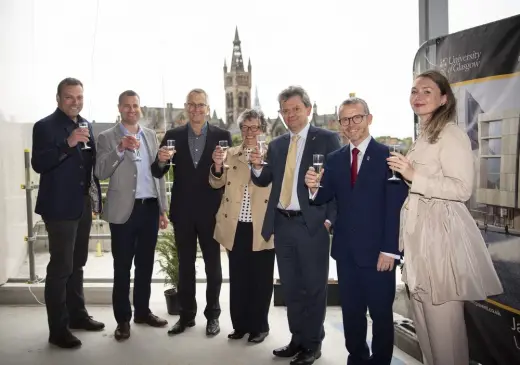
<point>353,167</point>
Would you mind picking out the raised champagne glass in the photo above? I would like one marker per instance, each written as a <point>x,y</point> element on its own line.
<point>224,145</point>
<point>394,177</point>
<point>262,148</point>
<point>170,145</point>
<point>84,125</point>
<point>317,163</point>
<point>137,155</point>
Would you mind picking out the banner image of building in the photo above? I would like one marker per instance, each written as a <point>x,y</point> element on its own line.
<point>483,67</point>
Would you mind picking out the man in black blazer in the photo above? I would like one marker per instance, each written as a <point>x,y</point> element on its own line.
<point>67,195</point>
<point>301,231</point>
<point>194,204</point>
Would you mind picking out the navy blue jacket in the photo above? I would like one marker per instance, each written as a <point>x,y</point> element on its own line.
<point>367,220</point>
<point>62,172</point>
<point>319,141</point>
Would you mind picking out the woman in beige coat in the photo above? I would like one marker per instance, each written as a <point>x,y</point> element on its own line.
<point>238,229</point>
<point>446,259</point>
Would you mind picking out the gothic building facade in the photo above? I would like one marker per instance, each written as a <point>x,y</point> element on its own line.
<point>237,85</point>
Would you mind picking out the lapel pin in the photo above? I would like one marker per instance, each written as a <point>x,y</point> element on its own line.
<point>368,158</point>
<point>313,138</point>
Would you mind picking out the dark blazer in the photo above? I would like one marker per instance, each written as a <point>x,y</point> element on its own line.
<point>62,174</point>
<point>319,141</point>
<point>367,221</point>
<point>191,194</point>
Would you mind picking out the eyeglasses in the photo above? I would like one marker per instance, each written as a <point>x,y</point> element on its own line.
<point>252,128</point>
<point>196,106</point>
<point>356,119</point>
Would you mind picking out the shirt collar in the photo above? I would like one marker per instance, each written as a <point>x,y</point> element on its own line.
<point>362,147</point>
<point>303,133</point>
<point>202,132</point>
<point>127,132</point>
<point>66,117</point>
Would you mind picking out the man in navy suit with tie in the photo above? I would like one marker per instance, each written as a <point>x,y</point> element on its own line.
<point>301,230</point>
<point>366,234</point>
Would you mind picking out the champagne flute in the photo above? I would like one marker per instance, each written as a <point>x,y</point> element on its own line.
<point>261,142</point>
<point>224,145</point>
<point>317,163</point>
<point>170,145</point>
<point>137,136</point>
<point>394,178</point>
<point>84,125</point>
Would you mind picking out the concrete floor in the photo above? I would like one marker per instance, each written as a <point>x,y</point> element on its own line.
<point>23,339</point>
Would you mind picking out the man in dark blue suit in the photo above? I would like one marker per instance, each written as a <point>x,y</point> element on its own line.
<point>68,194</point>
<point>366,234</point>
<point>301,230</point>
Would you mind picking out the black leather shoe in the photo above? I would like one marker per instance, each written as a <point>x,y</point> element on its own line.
<point>180,327</point>
<point>65,340</point>
<point>257,337</point>
<point>122,331</point>
<point>306,357</point>
<point>152,320</point>
<point>87,324</point>
<point>287,351</point>
<point>236,335</point>
<point>213,327</point>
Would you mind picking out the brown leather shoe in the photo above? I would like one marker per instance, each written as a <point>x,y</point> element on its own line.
<point>151,320</point>
<point>122,331</point>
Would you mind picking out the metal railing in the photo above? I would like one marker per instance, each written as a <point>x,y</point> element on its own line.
<point>32,237</point>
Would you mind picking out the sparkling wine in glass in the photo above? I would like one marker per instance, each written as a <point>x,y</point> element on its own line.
<point>84,125</point>
<point>137,155</point>
<point>394,178</point>
<point>224,145</point>
<point>317,163</point>
<point>262,148</point>
<point>170,145</point>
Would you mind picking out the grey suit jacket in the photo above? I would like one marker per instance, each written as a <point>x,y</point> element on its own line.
<point>123,174</point>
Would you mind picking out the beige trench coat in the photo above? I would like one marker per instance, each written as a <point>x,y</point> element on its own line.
<point>445,255</point>
<point>234,179</point>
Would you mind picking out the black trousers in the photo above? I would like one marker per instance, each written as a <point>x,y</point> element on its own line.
<point>250,282</point>
<point>303,264</point>
<point>68,247</point>
<point>186,233</point>
<point>136,238</point>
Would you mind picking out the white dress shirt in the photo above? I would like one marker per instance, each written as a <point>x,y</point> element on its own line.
<point>245,209</point>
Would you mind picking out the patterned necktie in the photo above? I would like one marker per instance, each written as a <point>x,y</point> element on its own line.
<point>288,175</point>
<point>354,167</point>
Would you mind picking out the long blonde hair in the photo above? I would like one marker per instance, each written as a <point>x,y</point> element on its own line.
<point>443,114</point>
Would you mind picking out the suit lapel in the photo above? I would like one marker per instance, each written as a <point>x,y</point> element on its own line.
<point>147,139</point>
<point>210,144</point>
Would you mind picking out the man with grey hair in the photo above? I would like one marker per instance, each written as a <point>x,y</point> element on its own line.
<point>194,204</point>
<point>301,230</point>
<point>366,246</point>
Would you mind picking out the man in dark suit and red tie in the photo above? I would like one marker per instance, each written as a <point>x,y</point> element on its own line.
<point>366,234</point>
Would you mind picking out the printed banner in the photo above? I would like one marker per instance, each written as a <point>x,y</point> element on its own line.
<point>483,66</point>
